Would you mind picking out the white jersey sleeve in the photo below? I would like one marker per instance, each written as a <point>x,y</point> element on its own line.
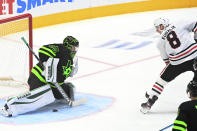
<point>74,67</point>
<point>178,44</point>
<point>162,50</point>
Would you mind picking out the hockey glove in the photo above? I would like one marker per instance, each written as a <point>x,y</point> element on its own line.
<point>167,62</point>
<point>195,36</point>
<point>74,67</point>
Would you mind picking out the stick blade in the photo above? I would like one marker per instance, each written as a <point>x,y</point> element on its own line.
<point>79,102</point>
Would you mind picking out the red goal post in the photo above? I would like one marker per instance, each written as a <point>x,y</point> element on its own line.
<point>13,52</point>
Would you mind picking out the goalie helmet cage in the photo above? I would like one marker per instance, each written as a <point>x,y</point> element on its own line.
<point>16,58</point>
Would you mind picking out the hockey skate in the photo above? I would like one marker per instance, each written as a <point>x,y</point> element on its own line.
<point>5,112</point>
<point>145,107</point>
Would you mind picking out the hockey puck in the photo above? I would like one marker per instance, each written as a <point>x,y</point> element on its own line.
<point>55,110</point>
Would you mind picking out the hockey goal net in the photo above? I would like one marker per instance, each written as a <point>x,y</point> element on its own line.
<point>16,59</point>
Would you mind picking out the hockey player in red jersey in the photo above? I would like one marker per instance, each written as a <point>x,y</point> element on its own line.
<point>187,112</point>
<point>55,66</point>
<point>177,49</point>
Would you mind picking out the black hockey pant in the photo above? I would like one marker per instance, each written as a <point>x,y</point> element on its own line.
<point>170,72</point>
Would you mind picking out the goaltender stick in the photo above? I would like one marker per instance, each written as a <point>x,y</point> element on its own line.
<point>54,67</point>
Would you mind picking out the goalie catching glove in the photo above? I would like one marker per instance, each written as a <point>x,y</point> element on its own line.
<point>74,67</point>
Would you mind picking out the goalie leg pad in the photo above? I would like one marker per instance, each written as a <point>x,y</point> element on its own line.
<point>30,101</point>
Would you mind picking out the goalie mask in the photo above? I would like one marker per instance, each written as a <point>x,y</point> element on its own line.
<point>192,89</point>
<point>161,24</point>
<point>71,44</point>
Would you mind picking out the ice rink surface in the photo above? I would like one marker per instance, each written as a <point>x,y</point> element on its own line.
<point>118,58</point>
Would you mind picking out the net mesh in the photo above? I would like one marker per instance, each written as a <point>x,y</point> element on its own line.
<point>16,61</point>
<point>13,27</point>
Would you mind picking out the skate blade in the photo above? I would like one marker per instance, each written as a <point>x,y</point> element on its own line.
<point>144,110</point>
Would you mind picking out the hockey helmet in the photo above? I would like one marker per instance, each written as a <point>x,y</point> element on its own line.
<point>71,44</point>
<point>161,21</point>
<point>192,89</point>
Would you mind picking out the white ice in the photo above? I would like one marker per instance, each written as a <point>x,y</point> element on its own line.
<point>122,74</point>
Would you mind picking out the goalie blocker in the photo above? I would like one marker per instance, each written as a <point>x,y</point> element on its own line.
<point>42,92</point>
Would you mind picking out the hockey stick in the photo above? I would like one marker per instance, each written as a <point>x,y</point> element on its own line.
<point>64,95</point>
<point>23,39</point>
<point>68,101</point>
<point>166,127</point>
